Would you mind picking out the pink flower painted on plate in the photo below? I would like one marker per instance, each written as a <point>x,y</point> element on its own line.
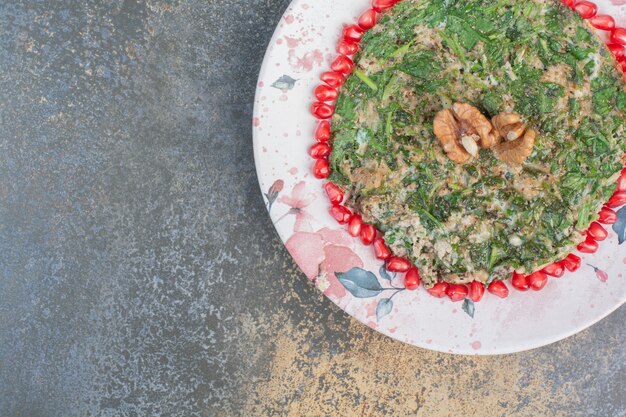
<point>307,249</point>
<point>618,2</point>
<point>602,276</point>
<point>338,259</point>
<point>337,237</point>
<point>299,199</point>
<point>321,254</point>
<point>307,61</point>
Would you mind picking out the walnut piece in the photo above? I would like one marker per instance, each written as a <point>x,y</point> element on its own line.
<point>508,125</point>
<point>475,119</point>
<point>518,150</point>
<point>461,129</point>
<point>446,129</point>
<point>518,141</point>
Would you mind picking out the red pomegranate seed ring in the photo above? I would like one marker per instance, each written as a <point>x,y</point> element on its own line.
<point>323,109</point>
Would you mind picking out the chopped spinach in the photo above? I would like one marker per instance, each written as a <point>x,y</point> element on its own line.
<point>482,217</point>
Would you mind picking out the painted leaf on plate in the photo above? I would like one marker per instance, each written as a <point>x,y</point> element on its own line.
<point>383,308</point>
<point>468,307</point>
<point>284,83</point>
<point>360,283</point>
<point>384,274</point>
<point>620,226</point>
<point>273,192</point>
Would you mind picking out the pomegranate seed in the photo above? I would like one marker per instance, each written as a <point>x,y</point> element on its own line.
<point>380,5</point>
<point>537,280</point>
<point>617,50</point>
<point>319,150</point>
<point>380,249</point>
<point>342,64</point>
<point>476,291</point>
<point>621,181</point>
<point>341,214</point>
<point>335,194</point>
<point>325,92</point>
<point>597,232</point>
<point>322,133</point>
<point>555,269</point>
<point>520,281</point>
<point>571,262</point>
<point>618,35</point>
<point>352,33</point>
<point>398,264</point>
<point>321,169</point>
<point>607,216</point>
<point>438,290</point>
<point>368,19</point>
<point>498,288</point>
<point>602,22</point>
<point>322,110</point>
<point>568,3</point>
<point>457,292</point>
<point>588,245</point>
<point>617,199</point>
<point>412,279</point>
<point>368,234</point>
<point>333,78</point>
<point>354,226</point>
<point>347,48</point>
<point>586,9</point>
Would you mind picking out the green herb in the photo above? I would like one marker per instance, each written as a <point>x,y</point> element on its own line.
<point>574,107</point>
<point>368,81</point>
<point>550,94</point>
<point>620,101</point>
<point>422,65</point>
<point>603,100</point>
<point>402,49</point>
<point>466,36</point>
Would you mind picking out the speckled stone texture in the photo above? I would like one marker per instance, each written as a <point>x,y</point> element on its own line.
<point>139,272</point>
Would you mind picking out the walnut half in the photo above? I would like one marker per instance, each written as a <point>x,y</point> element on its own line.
<point>518,141</point>
<point>461,129</point>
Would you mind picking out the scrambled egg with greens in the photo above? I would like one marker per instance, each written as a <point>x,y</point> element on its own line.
<point>483,218</point>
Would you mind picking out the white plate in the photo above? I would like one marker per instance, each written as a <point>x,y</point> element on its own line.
<point>301,49</point>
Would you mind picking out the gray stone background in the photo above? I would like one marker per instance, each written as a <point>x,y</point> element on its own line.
<point>139,272</point>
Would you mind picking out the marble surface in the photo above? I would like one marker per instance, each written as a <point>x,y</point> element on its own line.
<point>139,272</point>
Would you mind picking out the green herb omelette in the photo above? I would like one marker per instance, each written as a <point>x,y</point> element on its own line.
<point>483,218</point>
